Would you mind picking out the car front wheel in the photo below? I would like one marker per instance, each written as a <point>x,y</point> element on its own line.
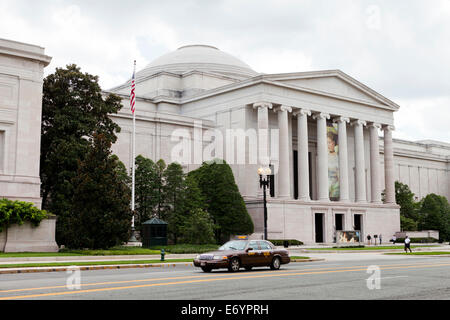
<point>206,269</point>
<point>276,263</point>
<point>235,265</point>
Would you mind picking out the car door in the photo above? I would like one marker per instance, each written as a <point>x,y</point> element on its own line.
<point>266,253</point>
<point>253,256</point>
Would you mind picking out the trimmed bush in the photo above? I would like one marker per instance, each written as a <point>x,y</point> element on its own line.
<point>291,242</point>
<point>17,212</point>
<point>417,240</point>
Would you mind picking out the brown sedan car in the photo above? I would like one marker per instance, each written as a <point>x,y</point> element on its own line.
<point>236,254</point>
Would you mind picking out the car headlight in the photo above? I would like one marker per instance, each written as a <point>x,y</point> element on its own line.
<point>220,257</point>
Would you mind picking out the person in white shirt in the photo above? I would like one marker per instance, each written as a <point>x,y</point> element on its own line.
<point>407,244</point>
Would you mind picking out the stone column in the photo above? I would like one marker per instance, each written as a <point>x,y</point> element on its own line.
<point>322,157</point>
<point>344,195</point>
<point>284,164</point>
<point>360,166</point>
<point>375,163</point>
<point>302,154</point>
<point>389,165</point>
<point>263,132</point>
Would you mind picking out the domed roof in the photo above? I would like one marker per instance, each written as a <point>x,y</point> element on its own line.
<point>200,58</point>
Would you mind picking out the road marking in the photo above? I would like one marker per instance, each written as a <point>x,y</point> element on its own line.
<point>191,276</point>
<point>210,279</point>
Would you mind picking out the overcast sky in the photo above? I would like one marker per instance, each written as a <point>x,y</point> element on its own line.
<point>400,48</point>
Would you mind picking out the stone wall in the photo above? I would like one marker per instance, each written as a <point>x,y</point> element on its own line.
<point>27,238</point>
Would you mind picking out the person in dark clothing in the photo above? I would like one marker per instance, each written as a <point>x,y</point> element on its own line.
<point>407,245</point>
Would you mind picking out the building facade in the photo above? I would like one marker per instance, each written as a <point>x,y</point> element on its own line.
<point>326,136</point>
<point>21,80</point>
<point>333,154</point>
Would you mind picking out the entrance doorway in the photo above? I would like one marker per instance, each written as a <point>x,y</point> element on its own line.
<point>339,221</point>
<point>319,227</point>
<point>358,222</point>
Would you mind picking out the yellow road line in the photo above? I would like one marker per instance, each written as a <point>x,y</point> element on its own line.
<point>210,280</point>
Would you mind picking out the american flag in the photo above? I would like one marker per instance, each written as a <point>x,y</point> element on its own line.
<point>133,86</point>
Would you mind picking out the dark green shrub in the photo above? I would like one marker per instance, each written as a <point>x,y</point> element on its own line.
<point>418,240</point>
<point>291,242</point>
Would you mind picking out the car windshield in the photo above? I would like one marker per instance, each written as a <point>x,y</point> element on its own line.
<point>234,245</point>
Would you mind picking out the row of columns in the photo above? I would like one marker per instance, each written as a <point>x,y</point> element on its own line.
<point>284,177</point>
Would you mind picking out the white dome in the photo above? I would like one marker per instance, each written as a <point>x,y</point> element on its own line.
<point>199,58</point>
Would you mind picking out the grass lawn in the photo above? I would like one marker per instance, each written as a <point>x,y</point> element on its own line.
<point>422,253</point>
<point>119,250</point>
<point>371,248</point>
<point>297,257</point>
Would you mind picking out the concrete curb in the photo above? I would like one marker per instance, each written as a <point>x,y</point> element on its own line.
<point>111,267</point>
<point>86,268</point>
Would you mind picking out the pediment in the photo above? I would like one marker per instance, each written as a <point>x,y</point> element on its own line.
<point>336,83</point>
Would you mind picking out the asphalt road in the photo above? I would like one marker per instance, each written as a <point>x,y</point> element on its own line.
<point>400,278</point>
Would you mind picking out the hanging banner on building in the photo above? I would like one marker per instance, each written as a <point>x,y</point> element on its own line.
<point>333,161</point>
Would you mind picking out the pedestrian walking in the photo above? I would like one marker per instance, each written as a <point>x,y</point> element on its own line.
<point>394,238</point>
<point>368,238</point>
<point>380,238</point>
<point>407,244</point>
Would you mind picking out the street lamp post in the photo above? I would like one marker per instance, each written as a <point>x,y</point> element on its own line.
<point>264,183</point>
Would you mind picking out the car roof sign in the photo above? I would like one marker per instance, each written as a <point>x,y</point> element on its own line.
<point>241,238</point>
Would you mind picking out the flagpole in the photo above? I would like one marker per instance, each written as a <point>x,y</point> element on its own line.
<point>133,109</point>
<point>134,155</point>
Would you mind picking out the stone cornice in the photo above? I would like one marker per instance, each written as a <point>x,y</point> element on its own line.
<point>24,50</point>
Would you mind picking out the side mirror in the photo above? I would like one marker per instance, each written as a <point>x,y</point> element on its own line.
<point>248,249</point>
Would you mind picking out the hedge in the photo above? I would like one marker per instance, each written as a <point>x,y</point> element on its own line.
<point>417,240</point>
<point>291,242</point>
<point>17,212</point>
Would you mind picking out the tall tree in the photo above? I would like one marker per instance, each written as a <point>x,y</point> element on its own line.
<point>173,189</point>
<point>435,215</point>
<point>73,109</point>
<point>409,215</point>
<point>100,216</point>
<point>146,188</point>
<point>225,204</point>
<point>160,166</point>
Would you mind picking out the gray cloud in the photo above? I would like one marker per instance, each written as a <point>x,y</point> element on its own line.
<point>399,48</point>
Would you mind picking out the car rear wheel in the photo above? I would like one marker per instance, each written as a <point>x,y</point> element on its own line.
<point>235,265</point>
<point>206,269</point>
<point>276,263</point>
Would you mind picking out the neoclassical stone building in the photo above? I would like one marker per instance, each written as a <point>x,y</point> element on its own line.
<point>199,88</point>
<point>326,136</point>
<point>21,80</point>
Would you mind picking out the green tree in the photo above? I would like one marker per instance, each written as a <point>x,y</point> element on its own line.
<point>174,189</point>
<point>100,215</point>
<point>435,215</point>
<point>404,197</point>
<point>73,108</point>
<point>199,228</point>
<point>225,204</point>
<point>160,166</point>
<point>146,189</point>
